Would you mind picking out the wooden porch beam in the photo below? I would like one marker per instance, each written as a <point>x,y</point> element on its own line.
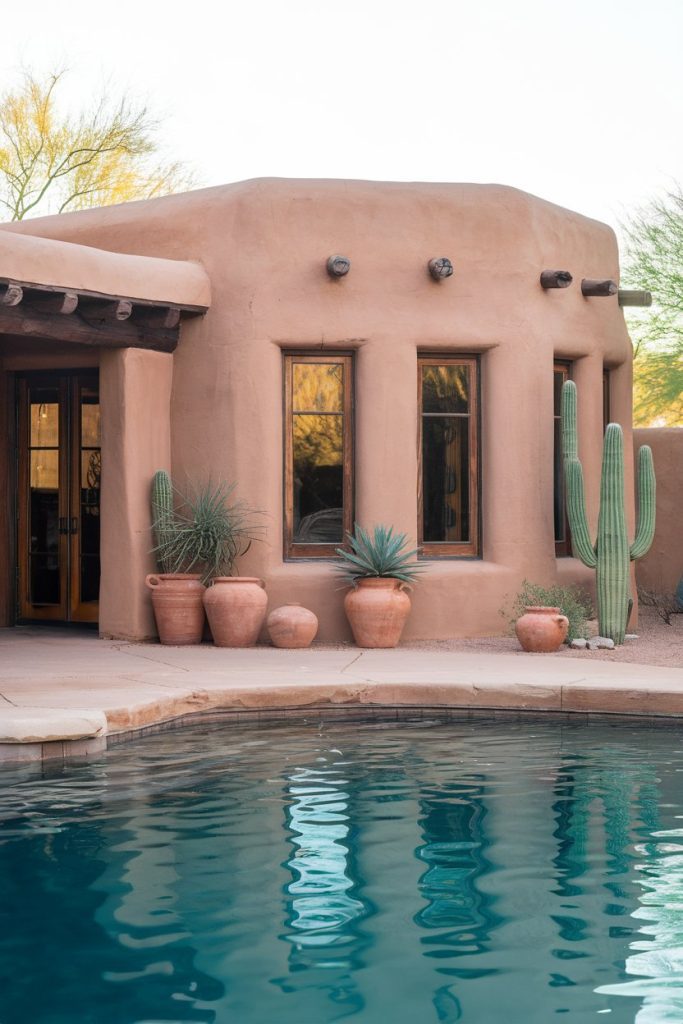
<point>62,303</point>
<point>105,310</point>
<point>74,330</point>
<point>166,318</point>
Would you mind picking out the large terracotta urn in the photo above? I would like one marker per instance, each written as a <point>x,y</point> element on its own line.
<point>235,607</point>
<point>541,629</point>
<point>377,610</point>
<point>292,626</point>
<point>178,607</point>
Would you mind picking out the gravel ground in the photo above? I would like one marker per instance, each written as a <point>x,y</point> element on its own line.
<point>657,644</point>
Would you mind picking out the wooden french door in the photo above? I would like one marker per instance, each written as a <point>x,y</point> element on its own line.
<point>58,507</point>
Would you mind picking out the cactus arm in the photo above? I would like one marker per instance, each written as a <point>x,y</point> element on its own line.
<point>162,518</point>
<point>582,546</point>
<point>612,544</point>
<point>645,529</point>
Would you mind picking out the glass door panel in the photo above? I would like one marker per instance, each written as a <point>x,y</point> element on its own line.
<point>58,497</point>
<point>85,542</point>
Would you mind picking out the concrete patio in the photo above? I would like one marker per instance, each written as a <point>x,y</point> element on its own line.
<point>65,693</point>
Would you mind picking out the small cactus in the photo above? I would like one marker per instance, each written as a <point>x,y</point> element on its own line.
<point>163,519</point>
<point>611,554</point>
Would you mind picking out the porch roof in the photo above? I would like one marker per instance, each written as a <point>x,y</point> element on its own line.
<point>64,291</point>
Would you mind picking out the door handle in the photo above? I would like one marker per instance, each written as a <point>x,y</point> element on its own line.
<point>63,525</point>
<point>73,525</point>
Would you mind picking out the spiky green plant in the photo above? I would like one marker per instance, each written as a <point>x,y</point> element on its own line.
<point>209,534</point>
<point>380,554</point>
<point>163,519</point>
<point>611,554</point>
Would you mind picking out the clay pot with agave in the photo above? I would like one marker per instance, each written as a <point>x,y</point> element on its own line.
<point>379,570</point>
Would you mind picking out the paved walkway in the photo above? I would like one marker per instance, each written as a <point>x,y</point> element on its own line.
<point>64,692</point>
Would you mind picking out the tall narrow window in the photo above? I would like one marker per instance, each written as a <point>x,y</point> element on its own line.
<point>448,491</point>
<point>561,373</point>
<point>318,454</point>
<point>606,411</point>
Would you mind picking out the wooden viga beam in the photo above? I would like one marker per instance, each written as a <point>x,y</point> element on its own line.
<point>556,279</point>
<point>11,293</point>
<point>596,289</point>
<point>634,298</point>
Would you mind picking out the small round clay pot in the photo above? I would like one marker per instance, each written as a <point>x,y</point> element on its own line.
<point>541,629</point>
<point>292,626</point>
<point>235,607</point>
<point>178,607</point>
<point>377,610</point>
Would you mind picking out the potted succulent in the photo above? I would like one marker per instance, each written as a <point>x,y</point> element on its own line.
<point>198,544</point>
<point>379,569</point>
<point>176,596</point>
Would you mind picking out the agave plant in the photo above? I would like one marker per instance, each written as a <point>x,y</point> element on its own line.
<point>379,554</point>
<point>208,534</point>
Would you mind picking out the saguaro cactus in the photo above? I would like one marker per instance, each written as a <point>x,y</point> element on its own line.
<point>162,516</point>
<point>611,554</point>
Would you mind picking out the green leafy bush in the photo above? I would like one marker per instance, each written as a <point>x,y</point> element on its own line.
<point>573,602</point>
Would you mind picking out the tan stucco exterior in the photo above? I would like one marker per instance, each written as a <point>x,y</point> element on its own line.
<point>662,567</point>
<point>214,408</point>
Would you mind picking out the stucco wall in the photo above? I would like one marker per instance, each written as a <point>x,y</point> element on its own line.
<point>662,567</point>
<point>264,244</point>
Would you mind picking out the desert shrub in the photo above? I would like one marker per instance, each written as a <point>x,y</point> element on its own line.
<point>573,602</point>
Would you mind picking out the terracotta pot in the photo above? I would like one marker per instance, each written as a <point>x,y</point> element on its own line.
<point>541,629</point>
<point>292,626</point>
<point>178,607</point>
<point>377,610</point>
<point>235,607</point>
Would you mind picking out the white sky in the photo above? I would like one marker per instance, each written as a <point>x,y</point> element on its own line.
<point>577,101</point>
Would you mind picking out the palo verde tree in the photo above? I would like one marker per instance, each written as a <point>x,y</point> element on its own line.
<point>654,260</point>
<point>52,161</point>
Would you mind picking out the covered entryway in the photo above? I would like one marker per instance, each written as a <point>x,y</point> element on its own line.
<point>86,368</point>
<point>59,470</point>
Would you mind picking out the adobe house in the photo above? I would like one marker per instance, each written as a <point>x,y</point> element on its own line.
<point>307,340</point>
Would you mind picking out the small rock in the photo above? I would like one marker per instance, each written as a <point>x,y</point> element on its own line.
<point>578,643</point>
<point>600,643</point>
<point>631,636</point>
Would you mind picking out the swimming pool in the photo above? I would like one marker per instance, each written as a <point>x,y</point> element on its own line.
<point>403,871</point>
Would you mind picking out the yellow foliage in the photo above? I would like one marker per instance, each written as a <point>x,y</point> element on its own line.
<point>51,161</point>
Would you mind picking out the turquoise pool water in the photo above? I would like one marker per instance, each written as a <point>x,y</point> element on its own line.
<point>405,872</point>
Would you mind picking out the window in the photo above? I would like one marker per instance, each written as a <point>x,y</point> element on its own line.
<point>561,373</point>
<point>318,454</point>
<point>448,489</point>
<point>606,412</point>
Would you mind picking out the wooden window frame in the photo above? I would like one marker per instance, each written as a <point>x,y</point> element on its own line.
<point>293,550</point>
<point>453,549</point>
<point>563,548</point>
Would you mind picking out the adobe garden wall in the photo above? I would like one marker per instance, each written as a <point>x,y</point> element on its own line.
<point>264,244</point>
<point>662,567</point>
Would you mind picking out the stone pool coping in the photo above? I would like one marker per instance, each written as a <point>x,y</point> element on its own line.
<point>68,694</point>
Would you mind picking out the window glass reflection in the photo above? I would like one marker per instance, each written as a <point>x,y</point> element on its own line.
<point>318,387</point>
<point>445,389</point>
<point>446,478</point>
<point>318,478</point>
<point>44,406</point>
